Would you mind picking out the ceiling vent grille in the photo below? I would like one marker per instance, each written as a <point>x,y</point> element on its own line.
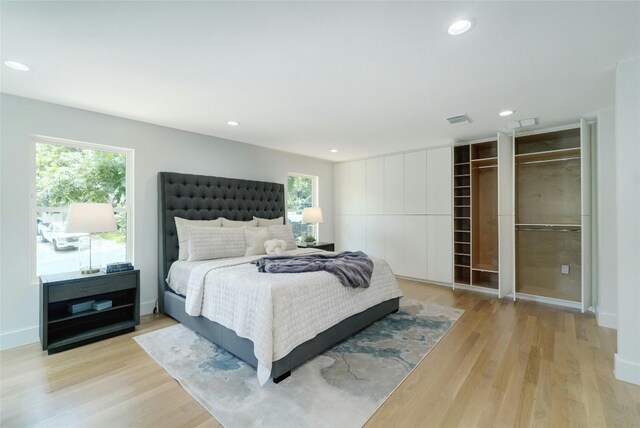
<point>461,118</point>
<point>522,123</point>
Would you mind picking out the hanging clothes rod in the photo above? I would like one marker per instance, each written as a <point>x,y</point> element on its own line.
<point>549,229</point>
<point>485,167</point>
<point>549,160</point>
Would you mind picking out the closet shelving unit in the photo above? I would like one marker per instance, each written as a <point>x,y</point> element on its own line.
<point>476,258</point>
<point>462,214</point>
<point>552,216</point>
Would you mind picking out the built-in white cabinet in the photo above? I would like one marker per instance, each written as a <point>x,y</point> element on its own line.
<point>394,243</point>
<point>374,192</point>
<point>357,187</point>
<point>341,191</point>
<point>398,207</point>
<point>415,182</point>
<point>439,181</point>
<point>439,264</point>
<point>415,240</point>
<point>394,184</point>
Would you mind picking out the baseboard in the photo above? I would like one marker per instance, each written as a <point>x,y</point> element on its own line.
<point>13,339</point>
<point>146,308</point>
<point>627,371</point>
<point>606,319</point>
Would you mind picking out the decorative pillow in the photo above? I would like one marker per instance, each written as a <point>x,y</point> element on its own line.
<point>208,243</point>
<point>183,236</point>
<point>255,238</point>
<point>262,222</point>
<point>275,247</point>
<point>284,232</point>
<point>234,223</point>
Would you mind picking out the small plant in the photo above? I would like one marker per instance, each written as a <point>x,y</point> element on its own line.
<point>309,238</point>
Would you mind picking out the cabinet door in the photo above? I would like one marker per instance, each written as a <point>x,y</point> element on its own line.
<point>585,166</point>
<point>357,187</point>
<point>439,173</point>
<point>505,174</point>
<point>394,184</point>
<point>439,249</point>
<point>506,263</point>
<point>415,246</point>
<point>353,232</point>
<point>393,245</point>
<point>415,183</point>
<point>375,186</point>
<point>341,186</point>
<point>375,236</point>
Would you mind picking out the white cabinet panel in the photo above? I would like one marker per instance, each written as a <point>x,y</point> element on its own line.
<point>393,242</point>
<point>353,231</point>
<point>394,184</point>
<point>415,183</point>
<point>439,173</point>
<point>341,186</point>
<point>340,228</point>
<point>415,246</point>
<point>439,248</point>
<point>375,186</point>
<point>586,263</point>
<point>357,187</point>
<point>505,174</point>
<point>585,152</point>
<point>506,262</point>
<point>375,236</point>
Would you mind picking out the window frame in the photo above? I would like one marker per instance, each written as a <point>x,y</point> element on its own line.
<point>315,196</point>
<point>34,209</point>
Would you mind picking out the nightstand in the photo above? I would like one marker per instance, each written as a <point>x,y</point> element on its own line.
<point>60,329</point>
<point>327,246</point>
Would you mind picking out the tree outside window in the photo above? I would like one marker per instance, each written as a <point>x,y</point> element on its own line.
<point>301,193</point>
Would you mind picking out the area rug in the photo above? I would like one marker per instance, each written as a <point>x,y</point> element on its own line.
<point>342,387</point>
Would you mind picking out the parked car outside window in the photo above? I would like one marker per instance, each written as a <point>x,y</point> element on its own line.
<point>60,239</point>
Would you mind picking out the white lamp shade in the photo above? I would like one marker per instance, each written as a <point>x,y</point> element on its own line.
<point>312,215</point>
<point>90,218</point>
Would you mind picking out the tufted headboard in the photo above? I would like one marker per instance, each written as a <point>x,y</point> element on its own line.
<point>200,197</point>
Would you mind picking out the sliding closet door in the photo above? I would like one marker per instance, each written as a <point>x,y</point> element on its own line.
<point>375,235</point>
<point>415,183</point>
<point>375,186</point>
<point>585,179</point>
<point>394,245</point>
<point>439,262</point>
<point>394,184</point>
<point>357,187</point>
<point>415,246</point>
<point>439,187</point>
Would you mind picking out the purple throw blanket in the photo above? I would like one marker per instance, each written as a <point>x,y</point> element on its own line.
<point>352,268</point>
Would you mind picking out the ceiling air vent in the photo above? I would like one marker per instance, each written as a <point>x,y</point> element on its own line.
<point>461,118</point>
<point>522,123</point>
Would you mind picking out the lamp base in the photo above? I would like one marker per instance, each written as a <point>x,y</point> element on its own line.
<point>88,270</point>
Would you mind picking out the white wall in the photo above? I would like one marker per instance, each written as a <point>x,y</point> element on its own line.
<point>607,276</point>
<point>627,361</point>
<point>156,149</point>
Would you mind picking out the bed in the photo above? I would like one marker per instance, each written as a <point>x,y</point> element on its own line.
<point>197,197</point>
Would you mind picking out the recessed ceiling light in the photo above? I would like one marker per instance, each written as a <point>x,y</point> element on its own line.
<point>232,123</point>
<point>17,65</point>
<point>506,113</point>
<point>459,27</point>
<point>334,150</point>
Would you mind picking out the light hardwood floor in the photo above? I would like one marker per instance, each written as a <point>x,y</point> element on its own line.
<point>503,364</point>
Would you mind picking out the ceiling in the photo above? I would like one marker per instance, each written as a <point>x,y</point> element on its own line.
<point>306,77</point>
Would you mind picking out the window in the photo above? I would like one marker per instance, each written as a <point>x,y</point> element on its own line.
<point>66,172</point>
<point>302,192</point>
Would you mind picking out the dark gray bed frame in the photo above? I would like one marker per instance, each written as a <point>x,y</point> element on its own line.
<point>199,197</point>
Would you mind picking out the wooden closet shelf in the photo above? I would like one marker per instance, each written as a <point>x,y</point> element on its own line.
<point>547,155</point>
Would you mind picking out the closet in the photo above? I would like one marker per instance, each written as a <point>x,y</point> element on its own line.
<point>476,248</point>
<point>552,216</point>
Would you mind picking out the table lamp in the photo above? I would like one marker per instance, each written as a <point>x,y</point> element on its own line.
<point>312,215</point>
<point>90,218</point>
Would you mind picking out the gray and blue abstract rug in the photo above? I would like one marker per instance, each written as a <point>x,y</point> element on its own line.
<point>342,387</point>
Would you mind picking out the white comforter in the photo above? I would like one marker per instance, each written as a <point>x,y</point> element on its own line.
<point>277,312</point>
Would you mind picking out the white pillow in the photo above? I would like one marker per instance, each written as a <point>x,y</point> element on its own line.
<point>208,243</point>
<point>183,236</point>
<point>284,232</point>
<point>269,222</point>
<point>255,238</point>
<point>234,223</point>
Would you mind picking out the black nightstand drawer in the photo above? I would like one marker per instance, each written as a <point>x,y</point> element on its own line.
<point>327,246</point>
<point>91,287</point>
